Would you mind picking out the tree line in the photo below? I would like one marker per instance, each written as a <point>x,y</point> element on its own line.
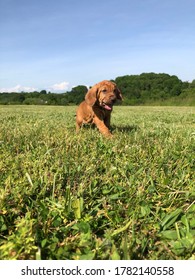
<point>143,89</point>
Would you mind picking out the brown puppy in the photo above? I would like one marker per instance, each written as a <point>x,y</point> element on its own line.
<point>97,106</point>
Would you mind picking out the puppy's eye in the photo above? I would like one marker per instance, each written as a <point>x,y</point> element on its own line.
<point>104,90</point>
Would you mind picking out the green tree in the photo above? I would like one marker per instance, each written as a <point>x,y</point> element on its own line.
<point>43,91</point>
<point>77,94</point>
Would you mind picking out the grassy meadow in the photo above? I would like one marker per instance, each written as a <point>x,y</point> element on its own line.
<point>69,196</point>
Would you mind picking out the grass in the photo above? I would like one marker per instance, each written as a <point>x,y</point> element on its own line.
<point>68,196</point>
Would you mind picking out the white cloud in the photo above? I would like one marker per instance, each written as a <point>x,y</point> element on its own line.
<point>60,87</point>
<point>63,86</point>
<point>18,88</point>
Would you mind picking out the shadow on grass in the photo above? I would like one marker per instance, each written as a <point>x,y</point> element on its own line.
<point>114,128</point>
<point>125,128</point>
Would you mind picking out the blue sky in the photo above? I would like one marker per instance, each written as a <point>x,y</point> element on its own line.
<point>58,44</point>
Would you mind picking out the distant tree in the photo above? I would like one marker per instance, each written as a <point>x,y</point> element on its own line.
<point>149,86</point>
<point>43,91</point>
<point>145,88</point>
<point>77,94</point>
<point>192,84</point>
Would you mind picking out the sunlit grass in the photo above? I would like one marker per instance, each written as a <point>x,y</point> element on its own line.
<point>68,196</point>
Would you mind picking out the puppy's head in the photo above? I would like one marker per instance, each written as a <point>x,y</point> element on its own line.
<point>104,94</point>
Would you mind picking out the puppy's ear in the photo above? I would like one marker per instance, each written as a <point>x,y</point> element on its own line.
<point>119,94</point>
<point>91,96</point>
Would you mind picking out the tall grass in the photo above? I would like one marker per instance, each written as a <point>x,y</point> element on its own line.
<point>68,196</point>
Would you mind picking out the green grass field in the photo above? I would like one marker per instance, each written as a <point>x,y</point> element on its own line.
<point>68,196</point>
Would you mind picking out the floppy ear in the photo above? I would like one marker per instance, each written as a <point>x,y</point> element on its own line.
<point>91,96</point>
<point>119,94</point>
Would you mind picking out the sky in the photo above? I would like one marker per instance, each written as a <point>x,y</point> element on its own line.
<point>58,44</point>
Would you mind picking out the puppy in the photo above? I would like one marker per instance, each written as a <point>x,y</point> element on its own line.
<point>97,106</point>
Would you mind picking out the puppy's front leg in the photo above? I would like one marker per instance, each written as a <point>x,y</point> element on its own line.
<point>102,127</point>
<point>107,121</point>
